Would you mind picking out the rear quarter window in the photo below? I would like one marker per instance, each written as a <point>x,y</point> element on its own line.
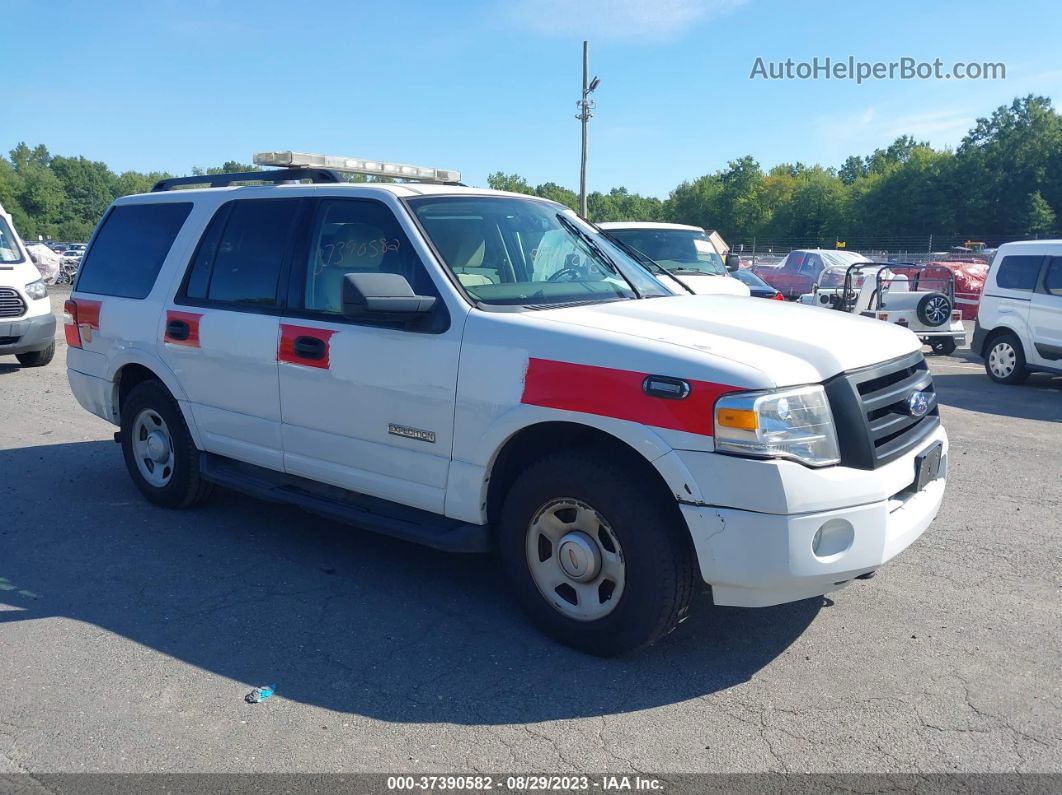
<point>129,249</point>
<point>1018,272</point>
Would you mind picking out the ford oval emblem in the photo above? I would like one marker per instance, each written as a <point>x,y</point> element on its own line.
<point>918,404</point>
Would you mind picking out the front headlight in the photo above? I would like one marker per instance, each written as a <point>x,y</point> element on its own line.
<point>786,423</point>
<point>37,289</point>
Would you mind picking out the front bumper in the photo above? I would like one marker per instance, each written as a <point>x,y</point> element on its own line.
<point>26,335</point>
<point>753,558</point>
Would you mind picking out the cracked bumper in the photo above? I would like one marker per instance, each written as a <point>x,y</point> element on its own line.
<point>754,559</point>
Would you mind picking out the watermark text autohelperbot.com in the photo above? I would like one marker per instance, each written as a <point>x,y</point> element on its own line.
<point>905,68</point>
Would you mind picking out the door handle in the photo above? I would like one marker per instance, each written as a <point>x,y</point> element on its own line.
<point>177,330</point>
<point>309,348</point>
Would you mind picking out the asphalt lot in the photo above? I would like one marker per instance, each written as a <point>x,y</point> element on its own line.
<point>130,634</point>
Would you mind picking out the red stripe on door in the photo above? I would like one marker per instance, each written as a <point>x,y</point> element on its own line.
<point>619,394</point>
<point>192,319</point>
<point>286,349</point>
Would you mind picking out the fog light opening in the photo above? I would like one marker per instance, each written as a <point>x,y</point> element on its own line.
<point>833,539</point>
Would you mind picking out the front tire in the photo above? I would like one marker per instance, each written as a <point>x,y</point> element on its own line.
<point>1005,360</point>
<point>596,558</point>
<point>159,453</point>
<point>36,358</point>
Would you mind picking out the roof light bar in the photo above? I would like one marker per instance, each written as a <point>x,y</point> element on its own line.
<point>357,165</point>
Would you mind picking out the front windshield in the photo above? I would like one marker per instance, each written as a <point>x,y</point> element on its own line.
<point>9,250</point>
<point>511,251</point>
<point>677,250</point>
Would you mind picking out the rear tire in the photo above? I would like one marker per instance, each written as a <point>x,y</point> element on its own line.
<point>160,455</point>
<point>634,544</point>
<point>36,358</point>
<point>1005,359</point>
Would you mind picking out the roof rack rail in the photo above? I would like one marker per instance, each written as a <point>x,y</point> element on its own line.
<point>317,175</point>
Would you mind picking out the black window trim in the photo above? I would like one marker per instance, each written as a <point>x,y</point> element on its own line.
<point>181,297</point>
<point>436,322</point>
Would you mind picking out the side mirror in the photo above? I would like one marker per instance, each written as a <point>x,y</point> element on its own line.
<point>383,296</point>
<point>733,261</point>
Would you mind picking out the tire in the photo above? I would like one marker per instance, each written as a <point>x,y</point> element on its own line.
<point>644,585</point>
<point>944,346</point>
<point>1005,359</point>
<point>172,478</point>
<point>36,358</point>
<point>934,309</point>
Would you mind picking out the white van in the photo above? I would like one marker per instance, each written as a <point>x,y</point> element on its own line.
<point>1019,325</point>
<point>27,326</point>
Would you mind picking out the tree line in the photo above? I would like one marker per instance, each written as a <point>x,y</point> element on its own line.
<point>1003,181</point>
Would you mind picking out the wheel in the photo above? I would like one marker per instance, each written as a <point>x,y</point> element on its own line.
<point>945,346</point>
<point>596,559</point>
<point>934,309</point>
<point>1005,361</point>
<point>36,358</point>
<point>159,452</point>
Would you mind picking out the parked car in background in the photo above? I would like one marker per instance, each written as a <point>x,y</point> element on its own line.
<point>796,274</point>
<point>686,252</point>
<point>757,286</point>
<point>27,325</point>
<point>1019,324</point>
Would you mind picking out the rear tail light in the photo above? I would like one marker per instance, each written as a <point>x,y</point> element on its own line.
<point>956,315</point>
<point>73,334</point>
<point>779,297</point>
<point>883,315</point>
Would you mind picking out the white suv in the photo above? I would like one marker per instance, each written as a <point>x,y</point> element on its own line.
<point>27,325</point>
<point>471,369</point>
<point>1019,323</point>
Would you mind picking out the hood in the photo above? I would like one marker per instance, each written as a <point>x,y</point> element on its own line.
<point>707,284</point>
<point>789,343</point>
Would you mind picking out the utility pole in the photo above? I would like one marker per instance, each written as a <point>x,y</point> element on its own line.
<point>586,107</point>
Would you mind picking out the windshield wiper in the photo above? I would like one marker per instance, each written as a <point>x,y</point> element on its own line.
<point>597,251</point>
<point>650,265</point>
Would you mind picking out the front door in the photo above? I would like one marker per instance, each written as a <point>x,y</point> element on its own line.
<point>368,406</point>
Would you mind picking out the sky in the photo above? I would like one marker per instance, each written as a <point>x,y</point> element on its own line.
<point>492,85</point>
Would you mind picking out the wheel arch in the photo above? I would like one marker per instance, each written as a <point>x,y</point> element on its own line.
<point>663,475</point>
<point>136,371</point>
<point>996,333</point>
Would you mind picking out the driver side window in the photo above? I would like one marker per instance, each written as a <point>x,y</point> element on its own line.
<point>356,236</point>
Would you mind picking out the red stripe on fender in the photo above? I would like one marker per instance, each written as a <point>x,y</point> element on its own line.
<point>192,319</point>
<point>619,394</point>
<point>286,349</point>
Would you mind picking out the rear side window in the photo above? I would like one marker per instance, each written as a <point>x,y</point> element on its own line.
<point>240,257</point>
<point>129,249</point>
<point>1018,272</point>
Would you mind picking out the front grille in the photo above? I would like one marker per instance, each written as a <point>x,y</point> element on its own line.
<point>874,425</point>
<point>11,303</point>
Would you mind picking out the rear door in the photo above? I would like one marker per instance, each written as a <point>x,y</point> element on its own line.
<point>221,330</point>
<point>1011,286</point>
<point>1045,317</point>
<point>367,405</point>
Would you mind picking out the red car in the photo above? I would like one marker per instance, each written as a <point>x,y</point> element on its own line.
<point>796,274</point>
